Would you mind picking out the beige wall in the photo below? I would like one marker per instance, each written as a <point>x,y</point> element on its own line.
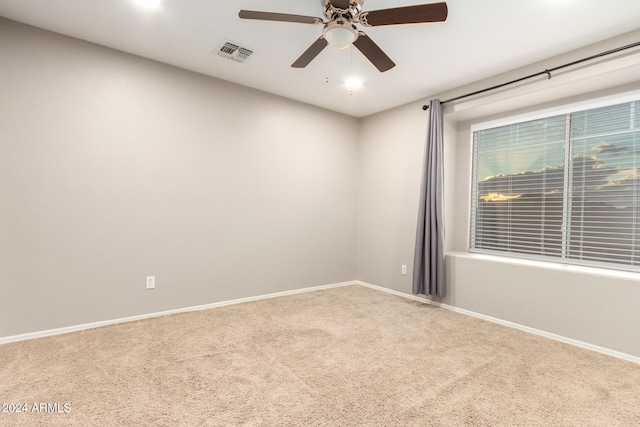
<point>113,167</point>
<point>589,305</point>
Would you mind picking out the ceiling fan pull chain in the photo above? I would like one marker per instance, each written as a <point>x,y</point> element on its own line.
<point>327,55</point>
<point>351,68</point>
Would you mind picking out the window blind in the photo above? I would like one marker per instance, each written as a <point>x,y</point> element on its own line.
<point>562,188</point>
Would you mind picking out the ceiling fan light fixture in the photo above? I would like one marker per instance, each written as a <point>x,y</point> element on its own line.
<point>340,35</point>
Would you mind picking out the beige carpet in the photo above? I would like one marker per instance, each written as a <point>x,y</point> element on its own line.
<point>341,357</point>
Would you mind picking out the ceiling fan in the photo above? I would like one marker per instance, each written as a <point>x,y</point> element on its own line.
<point>340,31</point>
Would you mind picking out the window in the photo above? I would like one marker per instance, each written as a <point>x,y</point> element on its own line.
<point>564,188</point>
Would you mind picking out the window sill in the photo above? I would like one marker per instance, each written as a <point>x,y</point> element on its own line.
<point>547,265</point>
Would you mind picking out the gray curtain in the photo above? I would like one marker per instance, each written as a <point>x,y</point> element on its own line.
<point>428,262</point>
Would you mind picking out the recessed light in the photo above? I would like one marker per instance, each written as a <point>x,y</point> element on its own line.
<point>353,83</point>
<point>151,4</point>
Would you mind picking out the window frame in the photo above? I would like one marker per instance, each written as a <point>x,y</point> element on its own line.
<point>566,110</point>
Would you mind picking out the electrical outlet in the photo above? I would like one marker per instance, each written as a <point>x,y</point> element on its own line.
<point>404,269</point>
<point>151,282</point>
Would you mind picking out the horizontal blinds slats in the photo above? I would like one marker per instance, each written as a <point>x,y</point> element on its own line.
<point>588,223</point>
<point>519,203</point>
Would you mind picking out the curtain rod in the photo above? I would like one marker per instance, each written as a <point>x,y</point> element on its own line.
<point>547,72</point>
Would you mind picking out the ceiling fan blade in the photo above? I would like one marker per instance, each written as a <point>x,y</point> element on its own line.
<point>340,4</point>
<point>434,12</point>
<point>282,17</point>
<point>309,54</point>
<point>373,53</point>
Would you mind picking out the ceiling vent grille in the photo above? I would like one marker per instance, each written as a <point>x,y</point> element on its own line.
<point>234,51</point>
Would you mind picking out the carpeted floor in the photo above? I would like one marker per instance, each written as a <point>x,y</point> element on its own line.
<point>341,357</point>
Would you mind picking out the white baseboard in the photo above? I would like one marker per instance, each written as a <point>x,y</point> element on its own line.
<point>51,332</point>
<point>545,334</point>
<point>422,299</point>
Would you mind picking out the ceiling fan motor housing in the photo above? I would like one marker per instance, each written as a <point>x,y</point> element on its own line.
<point>351,12</point>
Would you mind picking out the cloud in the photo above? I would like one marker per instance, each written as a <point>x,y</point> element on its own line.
<point>589,173</point>
<point>630,180</point>
<point>606,148</point>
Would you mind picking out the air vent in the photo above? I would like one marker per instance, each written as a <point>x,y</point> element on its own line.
<point>234,51</point>
<point>228,49</point>
<point>242,54</point>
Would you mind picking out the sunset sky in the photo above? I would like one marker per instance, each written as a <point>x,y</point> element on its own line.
<point>528,157</point>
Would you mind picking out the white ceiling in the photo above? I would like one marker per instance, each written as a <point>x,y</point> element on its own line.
<point>480,38</point>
